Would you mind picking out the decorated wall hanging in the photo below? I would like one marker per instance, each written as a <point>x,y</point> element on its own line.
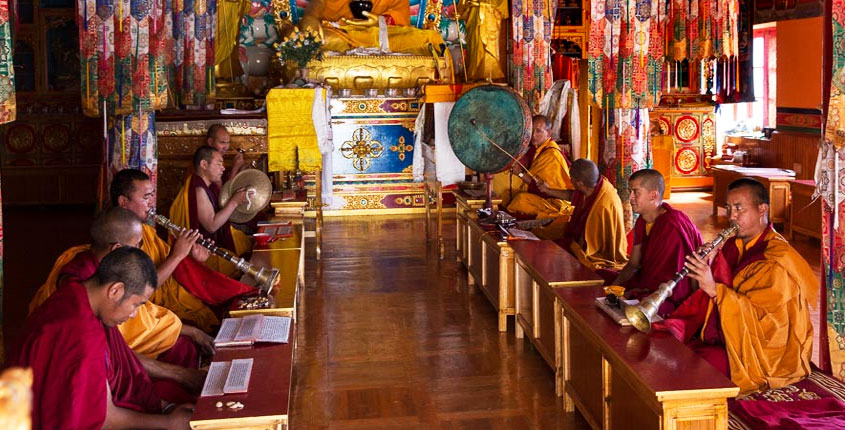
<point>830,183</point>
<point>530,71</point>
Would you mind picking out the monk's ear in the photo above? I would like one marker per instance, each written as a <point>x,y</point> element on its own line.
<point>122,201</point>
<point>114,245</point>
<point>115,291</point>
<point>763,209</point>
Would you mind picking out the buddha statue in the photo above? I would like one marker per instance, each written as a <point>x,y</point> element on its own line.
<point>483,23</point>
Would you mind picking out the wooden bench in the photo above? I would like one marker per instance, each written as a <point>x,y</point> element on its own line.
<point>267,401</point>
<point>288,256</point>
<point>540,268</point>
<point>619,378</point>
<point>490,267</point>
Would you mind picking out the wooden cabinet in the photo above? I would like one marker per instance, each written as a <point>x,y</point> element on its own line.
<point>690,122</point>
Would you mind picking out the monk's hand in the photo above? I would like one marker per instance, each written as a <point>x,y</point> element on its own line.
<point>200,253</point>
<point>192,379</point>
<point>238,197</point>
<point>179,418</point>
<point>371,21</point>
<point>184,242</point>
<point>699,270</point>
<point>544,187</point>
<point>200,338</point>
<point>516,169</point>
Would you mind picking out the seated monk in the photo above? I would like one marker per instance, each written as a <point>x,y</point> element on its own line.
<point>84,374</point>
<point>197,207</point>
<point>165,347</point>
<point>341,32</point>
<point>595,233</point>
<point>750,316</point>
<point>663,237</point>
<point>186,286</point>
<point>550,167</point>
<point>218,138</point>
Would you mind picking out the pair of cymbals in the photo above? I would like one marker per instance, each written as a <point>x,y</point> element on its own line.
<point>258,188</point>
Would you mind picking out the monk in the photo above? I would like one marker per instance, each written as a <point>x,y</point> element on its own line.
<point>165,347</point>
<point>84,375</point>
<point>197,207</point>
<point>218,138</point>
<point>663,237</point>
<point>186,286</point>
<point>750,316</point>
<point>549,167</point>
<point>595,233</point>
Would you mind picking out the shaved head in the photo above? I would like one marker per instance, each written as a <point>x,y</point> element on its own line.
<point>542,119</point>
<point>116,225</point>
<point>649,179</point>
<point>759,193</point>
<point>584,171</point>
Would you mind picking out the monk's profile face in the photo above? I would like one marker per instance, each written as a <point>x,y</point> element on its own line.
<point>221,140</point>
<point>140,200</point>
<point>120,306</point>
<point>214,168</point>
<point>746,213</point>
<point>540,133</point>
<point>642,198</point>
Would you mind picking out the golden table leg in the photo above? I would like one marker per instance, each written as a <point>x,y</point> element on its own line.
<point>318,219</point>
<point>439,196</point>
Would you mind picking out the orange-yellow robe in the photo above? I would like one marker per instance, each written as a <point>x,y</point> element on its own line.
<point>762,317</point>
<point>171,294</point>
<point>595,233</point>
<point>151,332</point>
<point>550,166</point>
<point>180,215</point>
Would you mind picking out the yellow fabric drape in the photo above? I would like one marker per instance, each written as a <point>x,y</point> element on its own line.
<point>152,331</point>
<point>604,233</point>
<point>290,130</point>
<point>180,215</point>
<point>409,40</point>
<point>484,23</point>
<point>229,14</point>
<point>399,10</point>
<point>171,294</point>
<point>550,167</point>
<point>765,318</point>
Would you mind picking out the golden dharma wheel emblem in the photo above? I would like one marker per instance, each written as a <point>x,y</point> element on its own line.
<point>686,129</point>
<point>361,149</point>
<point>686,160</point>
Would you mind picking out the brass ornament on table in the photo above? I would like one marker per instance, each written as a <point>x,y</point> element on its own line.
<point>642,314</point>
<point>258,189</point>
<point>266,277</point>
<point>360,72</point>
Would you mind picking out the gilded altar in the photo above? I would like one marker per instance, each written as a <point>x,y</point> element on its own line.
<point>373,153</point>
<point>361,72</point>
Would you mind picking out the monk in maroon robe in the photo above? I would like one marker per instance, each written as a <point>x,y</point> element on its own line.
<point>663,237</point>
<point>83,373</point>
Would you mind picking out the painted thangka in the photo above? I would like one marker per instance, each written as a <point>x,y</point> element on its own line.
<point>7,114</point>
<point>133,51</point>
<point>530,65</point>
<point>830,182</point>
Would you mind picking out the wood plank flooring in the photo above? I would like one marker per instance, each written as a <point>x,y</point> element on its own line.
<point>391,338</point>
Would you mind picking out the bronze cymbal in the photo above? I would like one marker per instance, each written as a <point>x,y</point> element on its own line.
<point>258,189</point>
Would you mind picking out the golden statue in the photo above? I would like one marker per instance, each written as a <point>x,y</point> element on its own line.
<point>15,399</point>
<point>483,24</point>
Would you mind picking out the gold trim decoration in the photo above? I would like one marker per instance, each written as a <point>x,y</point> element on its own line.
<point>241,127</point>
<point>401,148</point>
<point>282,12</point>
<point>364,201</point>
<point>360,72</point>
<point>361,149</point>
<point>431,19</point>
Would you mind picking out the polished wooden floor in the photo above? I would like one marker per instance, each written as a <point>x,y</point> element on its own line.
<point>389,336</point>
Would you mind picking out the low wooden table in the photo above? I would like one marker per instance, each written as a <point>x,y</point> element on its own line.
<point>295,210</point>
<point>288,256</point>
<point>267,401</point>
<point>777,181</point>
<point>540,268</point>
<point>619,378</point>
<point>466,205</point>
<point>490,267</point>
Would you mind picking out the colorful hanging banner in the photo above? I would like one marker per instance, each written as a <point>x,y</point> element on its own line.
<point>530,64</point>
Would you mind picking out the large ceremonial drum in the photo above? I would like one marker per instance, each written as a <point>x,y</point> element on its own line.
<point>489,125</point>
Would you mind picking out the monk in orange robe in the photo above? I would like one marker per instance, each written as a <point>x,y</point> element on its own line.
<point>196,207</point>
<point>663,237</point>
<point>84,375</point>
<point>750,316</point>
<point>550,167</point>
<point>186,286</point>
<point>165,347</point>
<point>595,233</point>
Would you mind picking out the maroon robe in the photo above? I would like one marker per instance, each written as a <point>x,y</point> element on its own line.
<point>223,236</point>
<point>72,357</point>
<point>663,251</point>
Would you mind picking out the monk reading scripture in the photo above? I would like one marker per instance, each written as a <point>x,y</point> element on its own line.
<point>166,347</point>
<point>186,286</point>
<point>84,375</point>
<point>750,317</point>
<point>197,207</point>
<point>550,167</point>
<point>595,233</point>
<point>663,237</point>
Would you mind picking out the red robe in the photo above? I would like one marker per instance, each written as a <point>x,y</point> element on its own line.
<point>72,355</point>
<point>663,251</point>
<point>223,236</point>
